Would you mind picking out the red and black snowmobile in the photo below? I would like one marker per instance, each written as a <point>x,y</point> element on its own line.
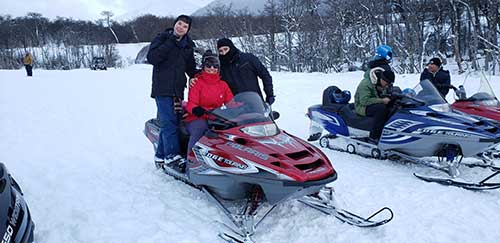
<point>245,162</point>
<point>476,97</point>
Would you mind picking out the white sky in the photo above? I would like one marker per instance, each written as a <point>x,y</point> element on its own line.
<point>91,9</point>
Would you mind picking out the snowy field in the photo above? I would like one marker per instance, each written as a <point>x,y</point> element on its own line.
<point>73,140</point>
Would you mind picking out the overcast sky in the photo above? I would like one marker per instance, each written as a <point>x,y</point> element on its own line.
<point>91,9</point>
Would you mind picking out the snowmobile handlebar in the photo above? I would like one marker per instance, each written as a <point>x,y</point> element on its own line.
<point>397,97</point>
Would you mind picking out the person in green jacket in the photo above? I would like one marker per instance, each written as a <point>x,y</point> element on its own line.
<point>371,98</point>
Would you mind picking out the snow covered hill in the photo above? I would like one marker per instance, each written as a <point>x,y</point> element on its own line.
<point>254,7</point>
<point>162,8</point>
<point>73,140</point>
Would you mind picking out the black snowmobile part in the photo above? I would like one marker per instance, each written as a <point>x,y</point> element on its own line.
<point>356,220</point>
<point>16,227</point>
<point>479,186</point>
<point>346,216</point>
<point>486,166</point>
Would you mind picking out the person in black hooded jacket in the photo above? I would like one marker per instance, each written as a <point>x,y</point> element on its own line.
<point>241,71</point>
<point>172,55</point>
<point>437,75</point>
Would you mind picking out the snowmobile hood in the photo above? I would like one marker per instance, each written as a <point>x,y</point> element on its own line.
<point>282,156</point>
<point>458,121</point>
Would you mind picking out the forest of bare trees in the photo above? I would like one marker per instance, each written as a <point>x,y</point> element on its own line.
<point>288,35</point>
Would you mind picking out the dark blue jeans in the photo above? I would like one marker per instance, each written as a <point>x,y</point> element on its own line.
<point>168,141</point>
<point>196,130</point>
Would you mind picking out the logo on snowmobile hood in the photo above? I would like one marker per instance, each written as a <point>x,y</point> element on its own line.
<point>226,161</point>
<point>248,150</point>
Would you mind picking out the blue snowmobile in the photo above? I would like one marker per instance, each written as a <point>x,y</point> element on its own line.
<point>421,125</point>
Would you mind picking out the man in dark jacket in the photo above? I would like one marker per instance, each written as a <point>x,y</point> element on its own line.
<point>437,75</point>
<point>172,56</point>
<point>240,70</point>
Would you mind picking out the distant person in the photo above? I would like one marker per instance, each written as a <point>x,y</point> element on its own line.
<point>172,55</point>
<point>28,64</point>
<point>370,99</point>
<point>209,93</point>
<point>241,71</point>
<point>439,77</point>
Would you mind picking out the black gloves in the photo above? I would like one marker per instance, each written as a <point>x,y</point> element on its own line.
<point>270,99</point>
<point>199,111</point>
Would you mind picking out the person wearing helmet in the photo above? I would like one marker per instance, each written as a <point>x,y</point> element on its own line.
<point>437,75</point>
<point>208,93</point>
<point>382,58</point>
<point>371,99</point>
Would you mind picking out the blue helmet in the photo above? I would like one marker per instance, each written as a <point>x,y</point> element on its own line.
<point>383,52</point>
<point>342,97</point>
<point>409,92</point>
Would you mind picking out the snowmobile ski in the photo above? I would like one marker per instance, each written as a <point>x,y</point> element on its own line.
<point>324,203</point>
<point>479,186</point>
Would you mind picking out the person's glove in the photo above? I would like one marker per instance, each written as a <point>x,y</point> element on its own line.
<point>270,99</point>
<point>199,111</point>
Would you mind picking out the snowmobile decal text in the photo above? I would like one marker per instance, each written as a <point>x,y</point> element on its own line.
<point>442,132</point>
<point>226,161</point>
<point>8,234</point>
<point>13,220</point>
<point>248,150</point>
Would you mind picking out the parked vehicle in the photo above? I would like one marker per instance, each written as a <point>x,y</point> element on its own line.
<point>98,63</point>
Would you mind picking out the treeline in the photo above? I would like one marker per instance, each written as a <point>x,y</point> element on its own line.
<point>330,35</point>
<point>301,35</point>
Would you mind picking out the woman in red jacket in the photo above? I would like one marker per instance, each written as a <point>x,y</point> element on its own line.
<point>208,93</point>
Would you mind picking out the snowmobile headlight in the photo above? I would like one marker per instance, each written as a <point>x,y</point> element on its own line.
<point>440,108</point>
<point>261,130</point>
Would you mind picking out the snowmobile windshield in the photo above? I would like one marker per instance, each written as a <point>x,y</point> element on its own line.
<point>427,93</point>
<point>244,109</point>
<point>478,89</point>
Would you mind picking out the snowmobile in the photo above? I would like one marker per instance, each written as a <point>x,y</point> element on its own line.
<point>482,103</point>
<point>17,225</point>
<point>248,166</point>
<point>421,125</point>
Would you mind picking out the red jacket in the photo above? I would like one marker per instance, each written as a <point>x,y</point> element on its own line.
<point>209,92</point>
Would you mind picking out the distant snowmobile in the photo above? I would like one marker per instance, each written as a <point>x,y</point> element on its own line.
<point>422,125</point>
<point>16,224</point>
<point>245,162</point>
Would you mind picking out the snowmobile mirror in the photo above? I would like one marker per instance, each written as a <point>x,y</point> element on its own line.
<point>275,115</point>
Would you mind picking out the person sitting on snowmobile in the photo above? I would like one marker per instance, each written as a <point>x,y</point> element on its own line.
<point>208,93</point>
<point>372,99</point>
<point>437,75</point>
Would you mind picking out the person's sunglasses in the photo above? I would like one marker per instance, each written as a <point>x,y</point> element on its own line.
<point>212,66</point>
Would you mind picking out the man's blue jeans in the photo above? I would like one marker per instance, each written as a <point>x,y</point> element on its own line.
<point>168,141</point>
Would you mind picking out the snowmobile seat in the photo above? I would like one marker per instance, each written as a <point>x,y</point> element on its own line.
<point>333,107</point>
<point>354,120</point>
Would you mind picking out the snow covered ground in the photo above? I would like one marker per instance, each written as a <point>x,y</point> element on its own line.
<point>73,139</point>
